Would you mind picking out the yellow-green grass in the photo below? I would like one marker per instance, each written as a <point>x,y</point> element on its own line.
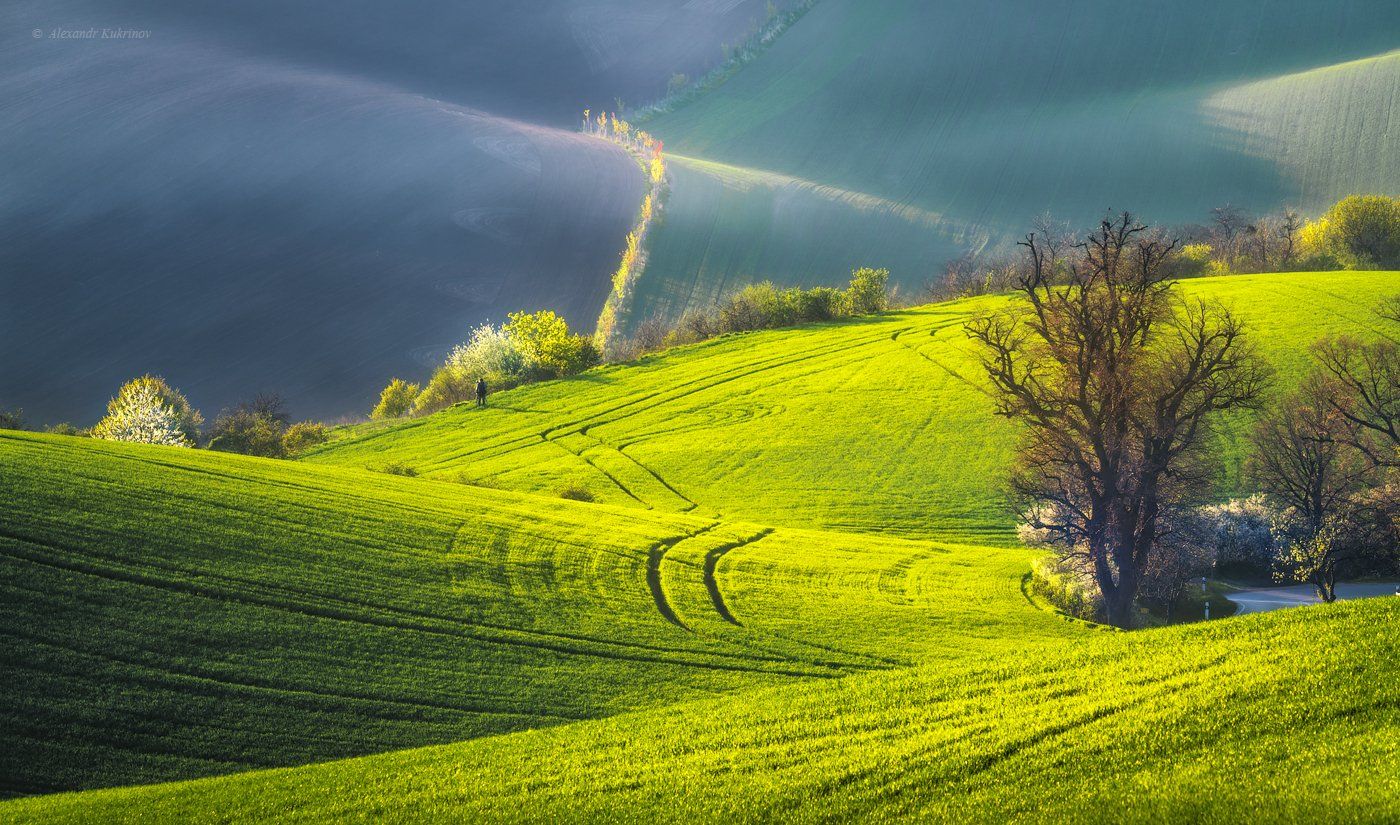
<point>724,636</point>
<point>1291,716</point>
<point>172,613</point>
<point>876,425</point>
<point>986,122</point>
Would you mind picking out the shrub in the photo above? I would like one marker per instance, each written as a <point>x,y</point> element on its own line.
<point>396,399</point>
<point>252,428</point>
<point>64,428</point>
<point>490,353</point>
<point>650,336</point>
<point>303,436</point>
<point>1358,232</point>
<point>694,325</point>
<point>398,468</point>
<point>1242,532</point>
<point>12,419</point>
<point>866,293</point>
<point>148,411</point>
<point>820,303</point>
<point>549,349</point>
<point>1066,589</point>
<point>1193,260</point>
<point>756,306</point>
<point>576,492</point>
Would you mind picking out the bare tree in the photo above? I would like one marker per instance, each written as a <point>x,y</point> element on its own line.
<point>1301,462</point>
<point>1365,377</point>
<point>1287,227</point>
<point>1300,459</point>
<point>1230,226</point>
<point>1116,379</point>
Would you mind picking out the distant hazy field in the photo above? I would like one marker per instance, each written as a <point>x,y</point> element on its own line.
<point>976,118</point>
<point>261,196</point>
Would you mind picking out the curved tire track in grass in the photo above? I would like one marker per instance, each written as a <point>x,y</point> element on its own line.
<point>556,643</point>
<point>712,584</point>
<point>653,576</point>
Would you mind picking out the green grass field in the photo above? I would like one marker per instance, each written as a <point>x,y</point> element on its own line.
<point>798,598</point>
<point>978,119</point>
<point>878,425</point>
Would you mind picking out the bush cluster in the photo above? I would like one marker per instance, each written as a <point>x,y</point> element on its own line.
<point>147,410</point>
<point>1066,589</point>
<point>1357,232</point>
<point>262,427</point>
<point>765,306</point>
<point>528,347</point>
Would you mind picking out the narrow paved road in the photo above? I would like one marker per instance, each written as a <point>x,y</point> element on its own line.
<point>1260,599</point>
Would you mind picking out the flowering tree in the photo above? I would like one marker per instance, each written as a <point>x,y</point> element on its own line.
<point>149,411</point>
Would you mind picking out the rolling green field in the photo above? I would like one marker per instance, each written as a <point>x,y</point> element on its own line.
<point>1151,726</point>
<point>798,597</point>
<point>260,613</point>
<point>877,425</point>
<point>978,119</point>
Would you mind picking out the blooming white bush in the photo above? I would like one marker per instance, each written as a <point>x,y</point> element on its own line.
<point>1243,532</point>
<point>148,411</point>
<point>489,352</point>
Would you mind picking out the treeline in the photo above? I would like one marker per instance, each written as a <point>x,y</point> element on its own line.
<point>147,410</point>
<point>649,154</point>
<point>540,346</point>
<point>1358,232</point>
<point>763,306</point>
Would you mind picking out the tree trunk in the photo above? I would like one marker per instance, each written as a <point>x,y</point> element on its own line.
<point>1327,586</point>
<point>1119,606</point>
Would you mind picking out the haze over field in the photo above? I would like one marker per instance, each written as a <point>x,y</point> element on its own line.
<point>231,183</point>
<point>261,197</point>
<point>699,411</point>
<point>938,129</point>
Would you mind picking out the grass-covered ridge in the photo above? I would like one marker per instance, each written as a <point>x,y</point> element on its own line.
<point>1285,716</point>
<point>878,425</point>
<point>798,598</point>
<point>170,613</point>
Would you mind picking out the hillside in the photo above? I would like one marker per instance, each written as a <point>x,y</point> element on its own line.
<point>258,196</point>
<point>878,425</point>
<point>290,614</point>
<point>725,622</point>
<point>1153,726</point>
<point>965,123</point>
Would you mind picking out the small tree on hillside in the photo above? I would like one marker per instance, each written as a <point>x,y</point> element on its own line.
<point>867,292</point>
<point>303,435</point>
<point>1116,380</point>
<point>252,428</point>
<point>544,339</point>
<point>148,411</point>
<point>395,400</point>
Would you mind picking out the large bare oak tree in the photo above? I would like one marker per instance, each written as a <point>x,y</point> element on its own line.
<point>1116,379</point>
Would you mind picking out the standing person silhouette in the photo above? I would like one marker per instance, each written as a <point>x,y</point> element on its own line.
<point>481,392</point>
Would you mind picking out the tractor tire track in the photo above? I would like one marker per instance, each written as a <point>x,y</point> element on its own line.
<point>712,583</point>
<point>456,629</point>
